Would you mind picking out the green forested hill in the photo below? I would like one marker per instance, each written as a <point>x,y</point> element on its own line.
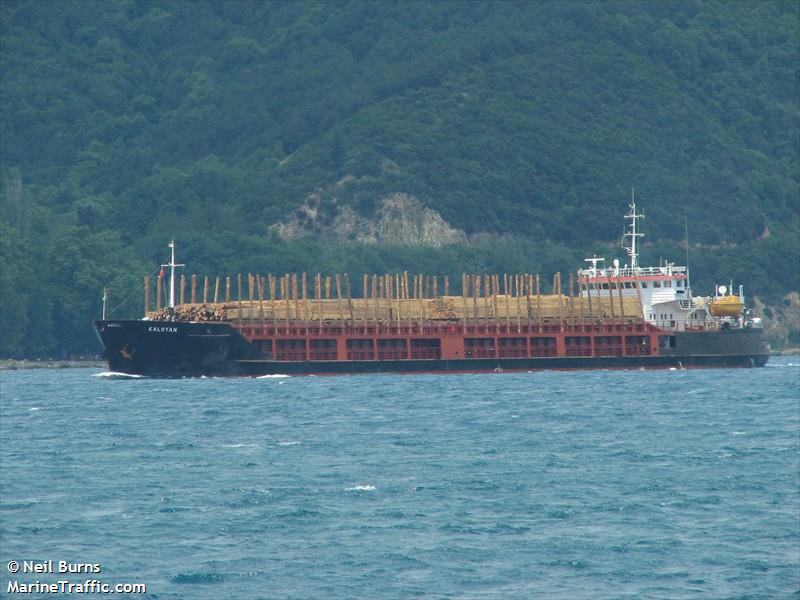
<point>124,124</point>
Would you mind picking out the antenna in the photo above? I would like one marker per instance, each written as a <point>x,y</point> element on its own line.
<point>633,216</point>
<point>105,304</point>
<point>172,266</point>
<point>686,232</point>
<point>594,260</point>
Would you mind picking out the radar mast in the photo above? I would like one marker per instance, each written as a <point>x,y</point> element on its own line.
<point>632,233</point>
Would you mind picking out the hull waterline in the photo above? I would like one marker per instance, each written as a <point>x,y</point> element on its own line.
<point>181,349</point>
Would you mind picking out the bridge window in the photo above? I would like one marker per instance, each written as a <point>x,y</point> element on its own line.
<point>656,284</point>
<point>643,284</point>
<point>668,283</point>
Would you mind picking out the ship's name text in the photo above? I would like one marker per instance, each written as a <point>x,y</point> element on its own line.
<point>162,329</point>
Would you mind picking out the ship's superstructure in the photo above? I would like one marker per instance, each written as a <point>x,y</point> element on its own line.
<point>664,292</point>
<point>619,316</point>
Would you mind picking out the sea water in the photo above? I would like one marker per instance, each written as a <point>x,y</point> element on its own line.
<point>592,484</point>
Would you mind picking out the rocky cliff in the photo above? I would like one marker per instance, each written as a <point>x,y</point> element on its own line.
<point>395,218</point>
<point>781,321</point>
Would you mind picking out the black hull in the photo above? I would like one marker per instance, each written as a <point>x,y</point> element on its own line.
<point>180,349</point>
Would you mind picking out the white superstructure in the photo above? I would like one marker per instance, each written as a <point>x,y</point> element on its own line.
<point>664,292</point>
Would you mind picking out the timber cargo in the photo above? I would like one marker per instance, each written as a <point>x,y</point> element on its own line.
<point>600,317</point>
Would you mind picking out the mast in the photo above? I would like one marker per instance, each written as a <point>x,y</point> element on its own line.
<point>594,260</point>
<point>172,266</point>
<point>686,231</point>
<point>632,233</point>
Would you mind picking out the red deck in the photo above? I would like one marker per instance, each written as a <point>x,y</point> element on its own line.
<point>300,341</point>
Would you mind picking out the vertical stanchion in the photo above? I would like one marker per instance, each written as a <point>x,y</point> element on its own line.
<point>261,300</point>
<point>475,282</point>
<point>272,312</point>
<point>349,299</point>
<point>287,294</point>
<point>589,298</point>
<point>464,292</point>
<point>611,297</point>
<point>339,297</point>
<point>557,290</point>
<point>366,301</point>
<point>304,297</point>
<point>539,303</point>
<point>398,296</point>
<point>239,294</point>
<point>572,299</point>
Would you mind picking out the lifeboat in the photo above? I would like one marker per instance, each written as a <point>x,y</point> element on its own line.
<point>726,306</point>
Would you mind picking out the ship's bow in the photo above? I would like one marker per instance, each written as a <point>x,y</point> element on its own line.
<point>171,348</point>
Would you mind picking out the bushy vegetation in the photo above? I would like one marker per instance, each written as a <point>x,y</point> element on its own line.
<point>127,123</point>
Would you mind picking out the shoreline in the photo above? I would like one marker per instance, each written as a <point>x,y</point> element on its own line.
<point>15,365</point>
<point>786,352</point>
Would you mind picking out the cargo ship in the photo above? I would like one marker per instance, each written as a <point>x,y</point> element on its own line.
<point>605,316</point>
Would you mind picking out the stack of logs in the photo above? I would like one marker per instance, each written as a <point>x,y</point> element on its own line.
<point>390,298</point>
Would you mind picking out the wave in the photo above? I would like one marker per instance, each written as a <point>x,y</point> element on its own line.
<point>361,488</point>
<point>241,445</point>
<point>198,578</point>
<point>275,376</point>
<point>115,375</point>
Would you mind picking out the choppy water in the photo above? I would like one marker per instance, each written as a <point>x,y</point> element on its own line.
<point>623,484</point>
